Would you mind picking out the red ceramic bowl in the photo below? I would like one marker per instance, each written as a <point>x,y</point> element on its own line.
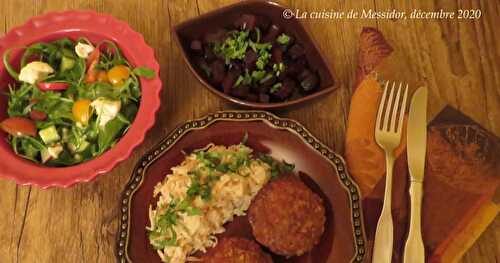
<point>95,27</point>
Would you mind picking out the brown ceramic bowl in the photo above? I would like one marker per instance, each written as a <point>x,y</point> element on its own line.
<point>224,17</point>
<point>320,168</point>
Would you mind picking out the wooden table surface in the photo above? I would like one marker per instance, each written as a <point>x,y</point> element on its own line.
<point>458,61</point>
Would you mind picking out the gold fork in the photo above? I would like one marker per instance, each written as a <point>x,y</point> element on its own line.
<point>388,136</point>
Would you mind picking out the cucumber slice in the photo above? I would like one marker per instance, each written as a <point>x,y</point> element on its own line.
<point>49,135</point>
<point>83,146</point>
<point>67,63</point>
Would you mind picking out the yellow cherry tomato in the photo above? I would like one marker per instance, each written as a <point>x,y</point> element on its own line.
<point>81,111</point>
<point>102,76</point>
<point>118,74</point>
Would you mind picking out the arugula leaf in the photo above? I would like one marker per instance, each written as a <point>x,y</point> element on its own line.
<point>144,72</point>
<point>109,134</point>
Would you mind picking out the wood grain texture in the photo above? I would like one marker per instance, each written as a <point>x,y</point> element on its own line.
<point>458,61</point>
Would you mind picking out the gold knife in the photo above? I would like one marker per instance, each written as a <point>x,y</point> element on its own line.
<point>416,137</point>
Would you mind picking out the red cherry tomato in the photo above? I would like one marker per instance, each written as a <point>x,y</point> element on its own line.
<point>118,74</point>
<point>95,55</point>
<point>19,126</point>
<point>52,86</point>
<point>92,61</point>
<point>37,115</point>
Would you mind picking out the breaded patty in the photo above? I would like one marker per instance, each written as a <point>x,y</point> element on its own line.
<point>287,217</point>
<point>236,250</point>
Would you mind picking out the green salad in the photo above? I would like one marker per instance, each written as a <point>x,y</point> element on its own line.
<point>72,100</point>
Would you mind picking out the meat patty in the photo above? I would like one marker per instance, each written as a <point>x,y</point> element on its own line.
<point>236,250</point>
<point>287,217</point>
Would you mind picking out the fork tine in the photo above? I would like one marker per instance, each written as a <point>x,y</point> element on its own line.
<point>388,110</point>
<point>395,111</point>
<point>402,112</point>
<point>381,107</point>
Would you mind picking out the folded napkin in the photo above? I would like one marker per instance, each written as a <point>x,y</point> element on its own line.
<point>462,170</point>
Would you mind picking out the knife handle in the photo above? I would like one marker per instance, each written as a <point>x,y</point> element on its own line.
<point>414,248</point>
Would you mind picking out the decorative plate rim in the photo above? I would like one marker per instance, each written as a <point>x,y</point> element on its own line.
<point>337,161</point>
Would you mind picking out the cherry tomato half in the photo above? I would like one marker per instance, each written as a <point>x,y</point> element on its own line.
<point>102,76</point>
<point>81,111</point>
<point>52,86</point>
<point>92,61</point>
<point>19,126</point>
<point>37,115</point>
<point>118,74</point>
<point>94,56</point>
<point>91,76</point>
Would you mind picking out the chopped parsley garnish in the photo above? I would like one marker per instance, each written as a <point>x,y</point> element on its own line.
<point>234,47</point>
<point>283,39</point>
<point>278,68</point>
<point>276,87</point>
<point>257,75</point>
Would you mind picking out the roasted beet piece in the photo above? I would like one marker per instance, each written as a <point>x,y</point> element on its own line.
<point>230,79</point>
<point>240,92</point>
<point>250,59</point>
<point>268,82</point>
<point>294,68</point>
<point>202,64</point>
<point>196,45</point>
<point>285,90</point>
<point>308,80</point>
<point>245,22</point>
<point>236,65</point>
<point>262,22</point>
<point>208,53</point>
<point>272,33</point>
<point>215,37</point>
<point>296,51</point>
<point>218,71</point>
<point>276,55</point>
<point>263,98</point>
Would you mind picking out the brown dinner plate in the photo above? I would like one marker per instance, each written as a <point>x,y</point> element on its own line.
<point>319,167</point>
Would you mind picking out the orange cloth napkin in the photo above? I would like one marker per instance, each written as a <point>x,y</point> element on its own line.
<point>453,217</point>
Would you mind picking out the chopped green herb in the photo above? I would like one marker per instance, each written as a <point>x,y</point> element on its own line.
<point>276,87</point>
<point>263,59</point>
<point>257,75</point>
<point>278,68</point>
<point>234,47</point>
<point>258,34</point>
<point>245,138</point>
<point>266,78</point>
<point>238,81</point>
<point>277,168</point>
<point>283,39</point>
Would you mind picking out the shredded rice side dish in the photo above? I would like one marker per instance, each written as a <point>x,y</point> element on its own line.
<point>201,194</point>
